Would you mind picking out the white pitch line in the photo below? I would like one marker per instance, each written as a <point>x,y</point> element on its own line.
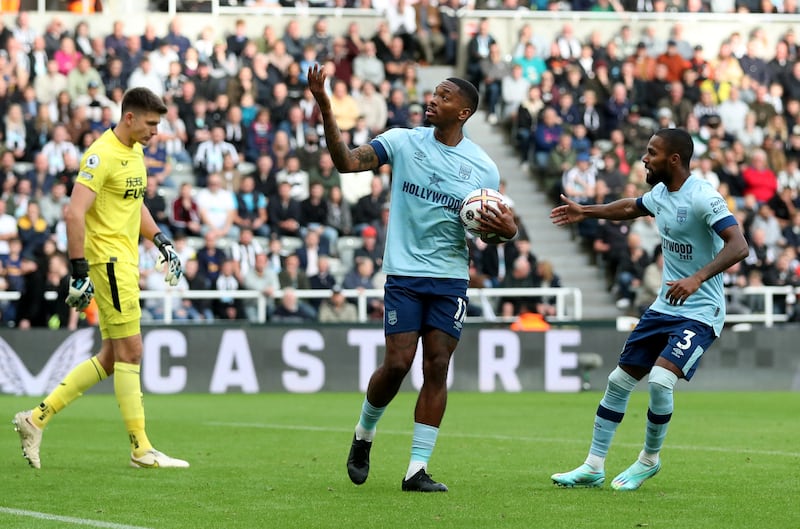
<point>722,449</point>
<point>67,519</point>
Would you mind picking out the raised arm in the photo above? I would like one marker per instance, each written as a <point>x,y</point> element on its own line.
<point>361,158</point>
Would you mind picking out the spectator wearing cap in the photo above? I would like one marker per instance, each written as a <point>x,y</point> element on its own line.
<point>337,309</point>
<point>644,65</point>
<point>578,183</point>
<point>93,100</point>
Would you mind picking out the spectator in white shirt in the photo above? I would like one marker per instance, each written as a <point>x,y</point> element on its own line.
<point>56,149</point>
<point>217,209</point>
<point>145,76</point>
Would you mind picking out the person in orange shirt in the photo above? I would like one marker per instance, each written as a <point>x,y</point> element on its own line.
<point>674,61</point>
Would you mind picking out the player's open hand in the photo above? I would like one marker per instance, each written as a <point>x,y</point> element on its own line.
<point>568,213</point>
<point>316,82</point>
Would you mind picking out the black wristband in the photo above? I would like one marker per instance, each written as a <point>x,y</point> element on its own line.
<point>80,267</point>
<point>160,240</point>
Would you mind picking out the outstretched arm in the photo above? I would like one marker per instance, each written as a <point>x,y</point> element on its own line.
<point>572,212</point>
<point>361,158</point>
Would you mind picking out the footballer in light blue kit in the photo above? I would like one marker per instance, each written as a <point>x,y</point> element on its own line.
<point>425,237</point>
<point>700,239</point>
<point>425,260</point>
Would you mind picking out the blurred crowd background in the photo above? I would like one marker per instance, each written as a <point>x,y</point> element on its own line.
<point>240,177</point>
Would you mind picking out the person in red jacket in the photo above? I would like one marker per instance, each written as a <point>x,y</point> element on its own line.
<point>759,180</point>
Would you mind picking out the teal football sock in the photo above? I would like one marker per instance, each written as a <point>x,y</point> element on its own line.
<point>609,415</point>
<point>421,447</point>
<point>661,384</point>
<point>370,415</point>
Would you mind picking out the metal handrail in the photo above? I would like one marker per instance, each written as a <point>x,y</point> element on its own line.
<point>568,301</point>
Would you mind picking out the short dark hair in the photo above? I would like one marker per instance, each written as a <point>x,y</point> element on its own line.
<point>141,99</point>
<point>468,92</point>
<point>678,141</point>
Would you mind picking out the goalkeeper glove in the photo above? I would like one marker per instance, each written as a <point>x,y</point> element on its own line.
<point>168,262</point>
<point>81,288</point>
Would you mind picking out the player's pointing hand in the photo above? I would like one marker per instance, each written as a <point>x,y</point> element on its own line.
<point>316,82</point>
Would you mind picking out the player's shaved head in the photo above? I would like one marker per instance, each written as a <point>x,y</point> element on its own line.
<point>678,141</point>
<point>467,91</point>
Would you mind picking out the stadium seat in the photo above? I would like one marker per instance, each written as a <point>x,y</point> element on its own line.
<point>346,247</point>
<point>291,244</point>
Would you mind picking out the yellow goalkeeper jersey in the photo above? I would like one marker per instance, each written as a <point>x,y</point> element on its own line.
<point>117,175</point>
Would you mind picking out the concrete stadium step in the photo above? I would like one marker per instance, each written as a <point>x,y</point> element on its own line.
<point>570,261</point>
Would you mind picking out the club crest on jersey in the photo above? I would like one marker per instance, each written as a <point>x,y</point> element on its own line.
<point>465,171</point>
<point>93,161</point>
<point>391,317</point>
<point>682,215</point>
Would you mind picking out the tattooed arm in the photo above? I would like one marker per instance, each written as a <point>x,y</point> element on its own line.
<point>346,160</point>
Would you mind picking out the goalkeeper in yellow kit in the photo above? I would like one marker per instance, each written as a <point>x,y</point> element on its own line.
<point>105,217</point>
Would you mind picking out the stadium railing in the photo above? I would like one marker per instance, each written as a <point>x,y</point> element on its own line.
<point>568,301</point>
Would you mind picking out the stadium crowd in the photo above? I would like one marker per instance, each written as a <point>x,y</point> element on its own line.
<point>239,175</point>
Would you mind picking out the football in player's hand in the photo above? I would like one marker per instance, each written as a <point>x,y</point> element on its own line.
<point>472,207</point>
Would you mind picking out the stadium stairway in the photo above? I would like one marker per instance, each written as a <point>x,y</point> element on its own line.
<point>570,261</point>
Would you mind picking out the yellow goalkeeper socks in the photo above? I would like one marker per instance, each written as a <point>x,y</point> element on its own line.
<point>82,377</point>
<point>128,389</point>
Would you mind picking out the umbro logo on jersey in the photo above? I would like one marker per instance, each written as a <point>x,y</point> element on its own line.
<point>124,163</point>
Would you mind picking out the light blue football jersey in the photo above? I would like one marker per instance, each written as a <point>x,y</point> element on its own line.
<point>689,221</point>
<point>425,237</point>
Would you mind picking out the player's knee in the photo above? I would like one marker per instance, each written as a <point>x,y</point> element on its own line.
<point>396,366</point>
<point>662,377</point>
<point>619,378</point>
<point>434,368</point>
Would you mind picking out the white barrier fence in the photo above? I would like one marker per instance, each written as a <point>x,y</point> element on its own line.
<point>568,301</point>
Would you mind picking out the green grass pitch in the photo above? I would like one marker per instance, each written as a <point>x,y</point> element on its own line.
<point>731,460</point>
